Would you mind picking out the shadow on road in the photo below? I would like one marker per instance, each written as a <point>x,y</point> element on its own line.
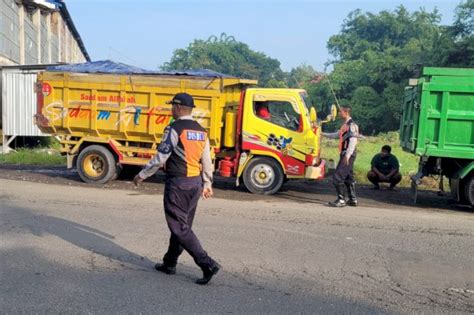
<point>32,283</point>
<point>85,237</point>
<point>321,192</point>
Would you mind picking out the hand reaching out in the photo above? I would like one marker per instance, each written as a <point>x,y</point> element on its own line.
<point>207,193</point>
<point>137,179</point>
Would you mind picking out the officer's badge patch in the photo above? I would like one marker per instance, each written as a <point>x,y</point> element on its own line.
<point>195,136</point>
<point>164,148</point>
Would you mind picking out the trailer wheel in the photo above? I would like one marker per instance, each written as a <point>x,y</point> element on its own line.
<point>467,190</point>
<point>263,176</point>
<point>96,164</point>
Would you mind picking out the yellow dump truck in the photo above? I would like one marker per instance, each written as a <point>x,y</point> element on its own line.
<point>107,121</point>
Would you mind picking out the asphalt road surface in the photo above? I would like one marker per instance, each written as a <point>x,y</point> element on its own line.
<point>67,247</point>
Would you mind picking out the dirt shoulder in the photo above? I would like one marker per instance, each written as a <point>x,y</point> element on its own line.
<point>302,191</point>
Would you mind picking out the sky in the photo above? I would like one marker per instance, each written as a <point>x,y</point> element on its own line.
<point>145,33</point>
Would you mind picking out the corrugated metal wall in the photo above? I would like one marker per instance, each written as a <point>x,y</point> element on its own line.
<point>31,45</point>
<point>54,48</point>
<point>21,26</point>
<point>62,40</point>
<point>19,103</point>
<point>44,39</point>
<point>54,37</point>
<point>9,30</point>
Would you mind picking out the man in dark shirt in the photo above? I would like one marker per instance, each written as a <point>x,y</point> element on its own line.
<point>385,168</point>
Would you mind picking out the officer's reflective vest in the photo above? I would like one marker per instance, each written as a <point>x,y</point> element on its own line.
<point>185,160</point>
<point>347,131</point>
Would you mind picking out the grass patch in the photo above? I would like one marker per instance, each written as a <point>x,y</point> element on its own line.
<point>367,148</point>
<point>44,157</point>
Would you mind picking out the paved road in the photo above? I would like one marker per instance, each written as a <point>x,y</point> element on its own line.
<point>69,248</point>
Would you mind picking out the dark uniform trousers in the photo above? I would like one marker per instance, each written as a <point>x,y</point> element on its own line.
<point>344,174</point>
<point>181,197</point>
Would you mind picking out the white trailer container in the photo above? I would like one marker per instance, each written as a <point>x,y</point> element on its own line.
<point>18,103</point>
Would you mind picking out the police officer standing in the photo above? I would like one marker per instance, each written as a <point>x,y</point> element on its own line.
<point>184,153</point>
<point>344,174</point>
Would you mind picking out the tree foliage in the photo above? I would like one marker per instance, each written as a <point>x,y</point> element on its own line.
<point>374,56</point>
<point>226,55</point>
<point>298,77</point>
<point>455,44</point>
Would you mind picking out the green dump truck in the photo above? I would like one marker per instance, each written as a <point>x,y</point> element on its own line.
<point>437,124</point>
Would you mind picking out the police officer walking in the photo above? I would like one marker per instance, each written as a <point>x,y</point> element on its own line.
<point>344,174</point>
<point>184,153</point>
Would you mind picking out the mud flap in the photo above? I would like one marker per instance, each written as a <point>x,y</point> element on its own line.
<point>454,185</point>
<point>243,160</point>
<point>414,191</point>
<point>71,160</point>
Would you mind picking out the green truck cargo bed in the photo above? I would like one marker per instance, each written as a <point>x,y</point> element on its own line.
<point>438,114</point>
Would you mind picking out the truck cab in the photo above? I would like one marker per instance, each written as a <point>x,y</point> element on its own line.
<point>279,139</point>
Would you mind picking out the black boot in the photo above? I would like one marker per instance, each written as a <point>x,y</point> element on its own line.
<point>340,201</point>
<point>208,273</point>
<point>169,270</point>
<point>352,194</point>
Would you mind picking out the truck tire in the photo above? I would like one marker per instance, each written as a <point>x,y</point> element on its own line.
<point>263,176</point>
<point>467,190</point>
<point>96,164</point>
<point>119,169</point>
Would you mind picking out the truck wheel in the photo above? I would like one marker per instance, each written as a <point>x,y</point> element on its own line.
<point>263,176</point>
<point>96,164</point>
<point>119,169</point>
<point>467,190</point>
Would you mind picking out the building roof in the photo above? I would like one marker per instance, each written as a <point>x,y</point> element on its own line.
<point>42,66</point>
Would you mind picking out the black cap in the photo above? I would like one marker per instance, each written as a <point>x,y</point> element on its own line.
<point>183,99</point>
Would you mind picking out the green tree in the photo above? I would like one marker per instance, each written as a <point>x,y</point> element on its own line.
<point>227,55</point>
<point>375,54</point>
<point>464,20</point>
<point>300,76</point>
<point>455,44</point>
<point>364,107</point>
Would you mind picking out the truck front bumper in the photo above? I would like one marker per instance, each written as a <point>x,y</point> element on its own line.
<point>316,172</point>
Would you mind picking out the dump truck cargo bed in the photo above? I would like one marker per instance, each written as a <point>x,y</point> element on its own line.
<point>438,114</point>
<point>130,107</point>
<point>437,124</point>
